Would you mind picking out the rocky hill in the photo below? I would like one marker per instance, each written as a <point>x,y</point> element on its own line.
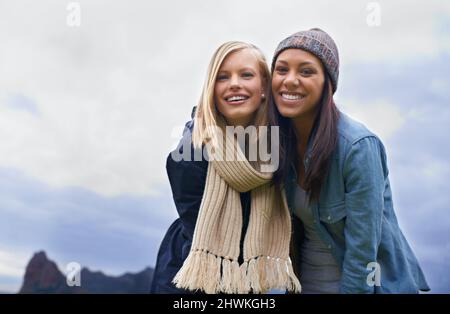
<point>43,276</point>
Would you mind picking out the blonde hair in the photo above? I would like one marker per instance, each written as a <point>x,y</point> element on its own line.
<point>206,114</point>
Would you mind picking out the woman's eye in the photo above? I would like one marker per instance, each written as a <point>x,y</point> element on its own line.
<point>247,74</point>
<point>307,72</point>
<point>281,69</point>
<point>222,77</point>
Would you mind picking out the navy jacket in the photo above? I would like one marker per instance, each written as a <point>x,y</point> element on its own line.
<point>187,181</point>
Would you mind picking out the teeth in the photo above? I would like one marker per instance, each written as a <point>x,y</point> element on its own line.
<point>291,96</point>
<point>236,98</point>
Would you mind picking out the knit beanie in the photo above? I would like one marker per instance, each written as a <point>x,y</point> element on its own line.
<point>317,42</point>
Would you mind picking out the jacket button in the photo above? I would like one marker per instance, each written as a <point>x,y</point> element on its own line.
<point>329,217</point>
<point>329,246</point>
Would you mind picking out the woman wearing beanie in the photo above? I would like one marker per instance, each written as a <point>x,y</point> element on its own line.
<point>234,230</point>
<point>334,173</point>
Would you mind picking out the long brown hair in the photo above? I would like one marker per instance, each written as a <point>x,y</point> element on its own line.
<point>322,141</point>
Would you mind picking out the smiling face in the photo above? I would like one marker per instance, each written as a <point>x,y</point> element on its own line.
<point>238,88</point>
<point>297,83</point>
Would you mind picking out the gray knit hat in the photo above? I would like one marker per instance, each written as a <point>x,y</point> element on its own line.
<point>317,42</point>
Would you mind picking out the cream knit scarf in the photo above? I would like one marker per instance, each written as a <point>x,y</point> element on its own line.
<point>212,264</point>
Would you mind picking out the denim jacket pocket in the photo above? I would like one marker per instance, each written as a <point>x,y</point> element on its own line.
<point>332,213</point>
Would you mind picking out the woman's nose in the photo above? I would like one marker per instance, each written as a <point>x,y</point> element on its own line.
<point>291,80</point>
<point>234,81</point>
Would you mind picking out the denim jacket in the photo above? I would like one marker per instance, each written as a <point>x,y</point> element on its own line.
<point>355,218</point>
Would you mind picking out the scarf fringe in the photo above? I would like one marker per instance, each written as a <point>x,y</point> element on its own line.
<point>205,271</point>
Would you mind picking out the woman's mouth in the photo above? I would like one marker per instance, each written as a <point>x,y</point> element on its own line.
<point>236,99</point>
<point>291,96</point>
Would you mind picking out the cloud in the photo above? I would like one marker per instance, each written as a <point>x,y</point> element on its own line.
<point>371,114</point>
<point>21,102</point>
<point>12,267</point>
<point>114,234</point>
<point>406,103</point>
<point>110,92</point>
<point>87,114</point>
<point>12,264</point>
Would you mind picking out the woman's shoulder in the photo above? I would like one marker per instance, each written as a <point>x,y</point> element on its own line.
<point>354,136</point>
<point>186,138</point>
<point>185,156</point>
<point>351,131</point>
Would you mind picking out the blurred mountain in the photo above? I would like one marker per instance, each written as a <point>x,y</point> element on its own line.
<point>43,276</point>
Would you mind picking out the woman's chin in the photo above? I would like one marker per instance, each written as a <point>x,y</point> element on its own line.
<point>238,120</point>
<point>289,112</point>
<point>239,117</point>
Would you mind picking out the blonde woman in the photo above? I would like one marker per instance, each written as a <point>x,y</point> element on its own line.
<point>233,230</point>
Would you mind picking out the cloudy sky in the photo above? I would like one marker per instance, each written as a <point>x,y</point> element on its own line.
<point>89,113</point>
